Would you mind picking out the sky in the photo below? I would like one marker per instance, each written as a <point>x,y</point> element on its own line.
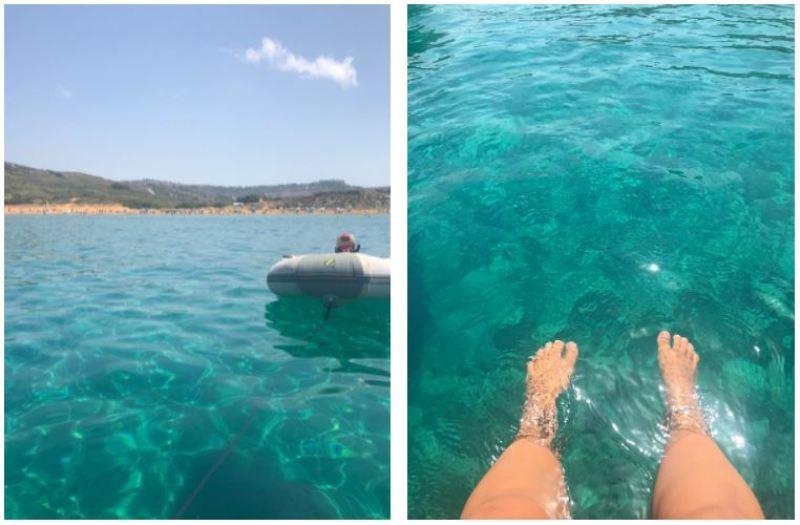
<point>203,94</point>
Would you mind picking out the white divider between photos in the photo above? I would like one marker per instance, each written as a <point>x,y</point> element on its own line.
<point>399,232</point>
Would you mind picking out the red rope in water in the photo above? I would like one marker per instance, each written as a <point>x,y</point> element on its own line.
<point>221,459</point>
<point>218,463</point>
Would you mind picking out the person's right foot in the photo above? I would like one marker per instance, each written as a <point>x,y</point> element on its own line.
<point>678,364</point>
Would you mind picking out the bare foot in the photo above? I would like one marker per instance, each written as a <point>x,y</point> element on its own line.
<point>549,372</point>
<point>678,364</point>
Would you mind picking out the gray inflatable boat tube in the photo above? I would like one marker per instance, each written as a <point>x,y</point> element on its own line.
<point>331,276</point>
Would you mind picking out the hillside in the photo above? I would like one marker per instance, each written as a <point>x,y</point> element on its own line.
<point>26,185</point>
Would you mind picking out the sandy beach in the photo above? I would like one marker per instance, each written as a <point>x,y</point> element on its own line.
<point>118,209</point>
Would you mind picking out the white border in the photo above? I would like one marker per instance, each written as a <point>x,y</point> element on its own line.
<point>399,329</point>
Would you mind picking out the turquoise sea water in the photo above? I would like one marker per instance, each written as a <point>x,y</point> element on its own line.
<point>599,173</point>
<point>138,348</point>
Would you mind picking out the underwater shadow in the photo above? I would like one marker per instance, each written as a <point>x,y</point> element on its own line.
<point>421,38</point>
<point>355,330</point>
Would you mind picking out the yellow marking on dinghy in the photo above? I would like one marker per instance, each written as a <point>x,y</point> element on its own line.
<point>330,261</point>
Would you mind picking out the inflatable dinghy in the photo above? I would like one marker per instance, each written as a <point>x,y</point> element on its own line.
<point>330,276</point>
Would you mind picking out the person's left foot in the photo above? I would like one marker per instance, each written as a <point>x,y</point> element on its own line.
<point>549,372</point>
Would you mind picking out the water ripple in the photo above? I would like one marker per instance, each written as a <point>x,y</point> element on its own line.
<point>137,347</point>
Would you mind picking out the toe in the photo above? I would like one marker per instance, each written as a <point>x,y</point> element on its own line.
<point>571,354</point>
<point>676,342</point>
<point>548,349</point>
<point>689,348</point>
<point>663,339</point>
<point>558,348</point>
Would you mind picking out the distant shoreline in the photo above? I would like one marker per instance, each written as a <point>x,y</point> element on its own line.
<point>118,209</point>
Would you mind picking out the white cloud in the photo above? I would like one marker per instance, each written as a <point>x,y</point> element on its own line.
<point>63,92</point>
<point>340,71</point>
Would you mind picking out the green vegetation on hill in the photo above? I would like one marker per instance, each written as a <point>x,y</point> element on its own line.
<point>26,185</point>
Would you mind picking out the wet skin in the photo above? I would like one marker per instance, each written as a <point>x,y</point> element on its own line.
<point>694,481</point>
